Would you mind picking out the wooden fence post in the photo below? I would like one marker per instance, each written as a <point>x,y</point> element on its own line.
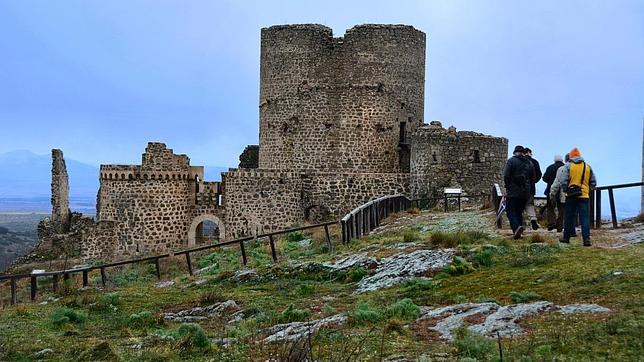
<point>158,268</point>
<point>598,209</point>
<point>328,238</point>
<point>189,262</point>
<point>273,252</point>
<point>243,252</point>
<point>613,214</point>
<point>103,278</point>
<point>34,287</point>
<point>14,299</point>
<point>54,283</point>
<point>591,208</point>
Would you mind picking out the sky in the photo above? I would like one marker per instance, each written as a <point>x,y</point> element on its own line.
<point>99,79</point>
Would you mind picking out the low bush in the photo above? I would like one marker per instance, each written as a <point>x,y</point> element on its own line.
<point>474,346</point>
<point>210,297</point>
<point>191,336</point>
<point>305,290</point>
<point>484,258</point>
<point>141,319</point>
<point>410,236</point>
<point>64,315</point>
<point>292,314</point>
<point>295,236</point>
<point>106,302</point>
<point>450,240</point>
<point>459,266</point>
<point>416,285</point>
<point>362,314</point>
<point>537,239</point>
<point>524,297</point>
<point>355,275</point>
<point>404,309</point>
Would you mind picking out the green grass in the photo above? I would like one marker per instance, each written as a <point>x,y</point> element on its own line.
<point>131,312</point>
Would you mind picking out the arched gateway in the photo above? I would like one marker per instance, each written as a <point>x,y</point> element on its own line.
<point>192,232</point>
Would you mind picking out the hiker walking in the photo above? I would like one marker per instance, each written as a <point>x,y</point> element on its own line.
<point>554,221</point>
<point>554,193</point>
<point>536,176</point>
<point>577,180</point>
<point>518,176</point>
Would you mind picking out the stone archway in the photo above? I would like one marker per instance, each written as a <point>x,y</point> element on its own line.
<point>192,232</point>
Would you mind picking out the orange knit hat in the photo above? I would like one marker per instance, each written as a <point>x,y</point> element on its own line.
<point>575,153</point>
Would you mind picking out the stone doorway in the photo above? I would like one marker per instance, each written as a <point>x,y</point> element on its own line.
<point>206,229</point>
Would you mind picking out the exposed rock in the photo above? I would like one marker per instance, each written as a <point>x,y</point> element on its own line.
<point>244,275</point>
<point>164,284</point>
<point>297,330</point>
<point>237,317</point>
<point>201,313</point>
<point>224,342</point>
<point>582,308</point>
<point>400,267</point>
<point>42,353</point>
<point>402,246</point>
<point>205,269</point>
<point>356,260</point>
<point>304,243</point>
<point>491,319</point>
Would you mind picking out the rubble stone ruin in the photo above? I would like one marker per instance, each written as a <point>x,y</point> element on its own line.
<point>341,122</point>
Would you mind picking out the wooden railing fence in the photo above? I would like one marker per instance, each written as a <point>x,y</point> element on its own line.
<point>363,219</point>
<point>65,274</point>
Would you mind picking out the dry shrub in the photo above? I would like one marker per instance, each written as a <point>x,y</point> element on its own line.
<point>537,239</point>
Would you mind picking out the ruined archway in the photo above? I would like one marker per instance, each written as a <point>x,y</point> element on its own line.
<point>192,232</point>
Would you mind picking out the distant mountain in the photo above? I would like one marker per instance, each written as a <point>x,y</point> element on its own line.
<point>25,182</point>
<point>24,174</point>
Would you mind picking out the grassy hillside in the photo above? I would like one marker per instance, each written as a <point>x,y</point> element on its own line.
<point>127,321</point>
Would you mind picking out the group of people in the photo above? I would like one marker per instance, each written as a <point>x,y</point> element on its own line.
<point>568,190</point>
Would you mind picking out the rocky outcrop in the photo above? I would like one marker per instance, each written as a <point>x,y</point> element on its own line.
<point>201,313</point>
<point>492,319</point>
<point>400,267</point>
<point>296,330</point>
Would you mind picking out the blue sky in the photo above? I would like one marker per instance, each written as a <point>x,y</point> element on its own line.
<point>101,78</point>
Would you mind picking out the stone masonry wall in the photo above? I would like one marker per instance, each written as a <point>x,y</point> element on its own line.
<point>331,104</point>
<point>259,201</point>
<point>445,158</point>
<point>59,192</point>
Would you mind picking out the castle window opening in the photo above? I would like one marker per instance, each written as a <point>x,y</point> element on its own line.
<point>403,135</point>
<point>476,156</point>
<point>434,158</point>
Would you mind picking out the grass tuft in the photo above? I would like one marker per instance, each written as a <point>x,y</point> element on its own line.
<point>65,315</point>
<point>292,314</point>
<point>524,297</point>
<point>404,309</point>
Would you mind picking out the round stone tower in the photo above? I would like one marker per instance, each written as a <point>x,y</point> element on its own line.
<point>340,104</point>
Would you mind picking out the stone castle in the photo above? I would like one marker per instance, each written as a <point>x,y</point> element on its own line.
<point>341,122</point>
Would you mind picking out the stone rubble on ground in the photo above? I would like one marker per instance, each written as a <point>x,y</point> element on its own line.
<point>224,342</point>
<point>356,260</point>
<point>296,330</point>
<point>244,275</point>
<point>164,284</point>
<point>201,313</point>
<point>400,267</point>
<point>43,353</point>
<point>236,317</point>
<point>492,319</point>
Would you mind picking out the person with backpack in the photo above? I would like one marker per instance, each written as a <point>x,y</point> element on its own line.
<point>536,176</point>
<point>518,176</point>
<point>553,203</point>
<point>577,181</point>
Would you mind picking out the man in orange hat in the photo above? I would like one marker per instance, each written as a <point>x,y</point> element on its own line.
<point>577,181</point>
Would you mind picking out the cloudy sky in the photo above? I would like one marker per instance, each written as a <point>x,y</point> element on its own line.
<point>101,78</point>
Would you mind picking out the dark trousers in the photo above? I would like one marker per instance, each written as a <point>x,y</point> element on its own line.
<point>574,206</point>
<point>555,219</point>
<point>514,208</point>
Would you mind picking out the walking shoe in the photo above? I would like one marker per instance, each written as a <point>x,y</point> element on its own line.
<point>587,242</point>
<point>564,241</point>
<point>518,232</point>
<point>551,227</point>
<point>535,225</point>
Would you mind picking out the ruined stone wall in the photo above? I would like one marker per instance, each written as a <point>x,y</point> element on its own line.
<point>101,241</point>
<point>59,192</point>
<point>338,103</point>
<point>259,201</point>
<point>250,157</point>
<point>446,158</point>
<point>329,196</point>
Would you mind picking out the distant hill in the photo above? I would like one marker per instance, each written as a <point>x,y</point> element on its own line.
<point>25,182</point>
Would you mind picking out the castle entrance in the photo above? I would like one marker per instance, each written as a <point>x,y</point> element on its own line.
<point>205,229</point>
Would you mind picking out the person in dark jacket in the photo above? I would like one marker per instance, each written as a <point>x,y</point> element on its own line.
<point>517,176</point>
<point>536,176</point>
<point>554,221</point>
